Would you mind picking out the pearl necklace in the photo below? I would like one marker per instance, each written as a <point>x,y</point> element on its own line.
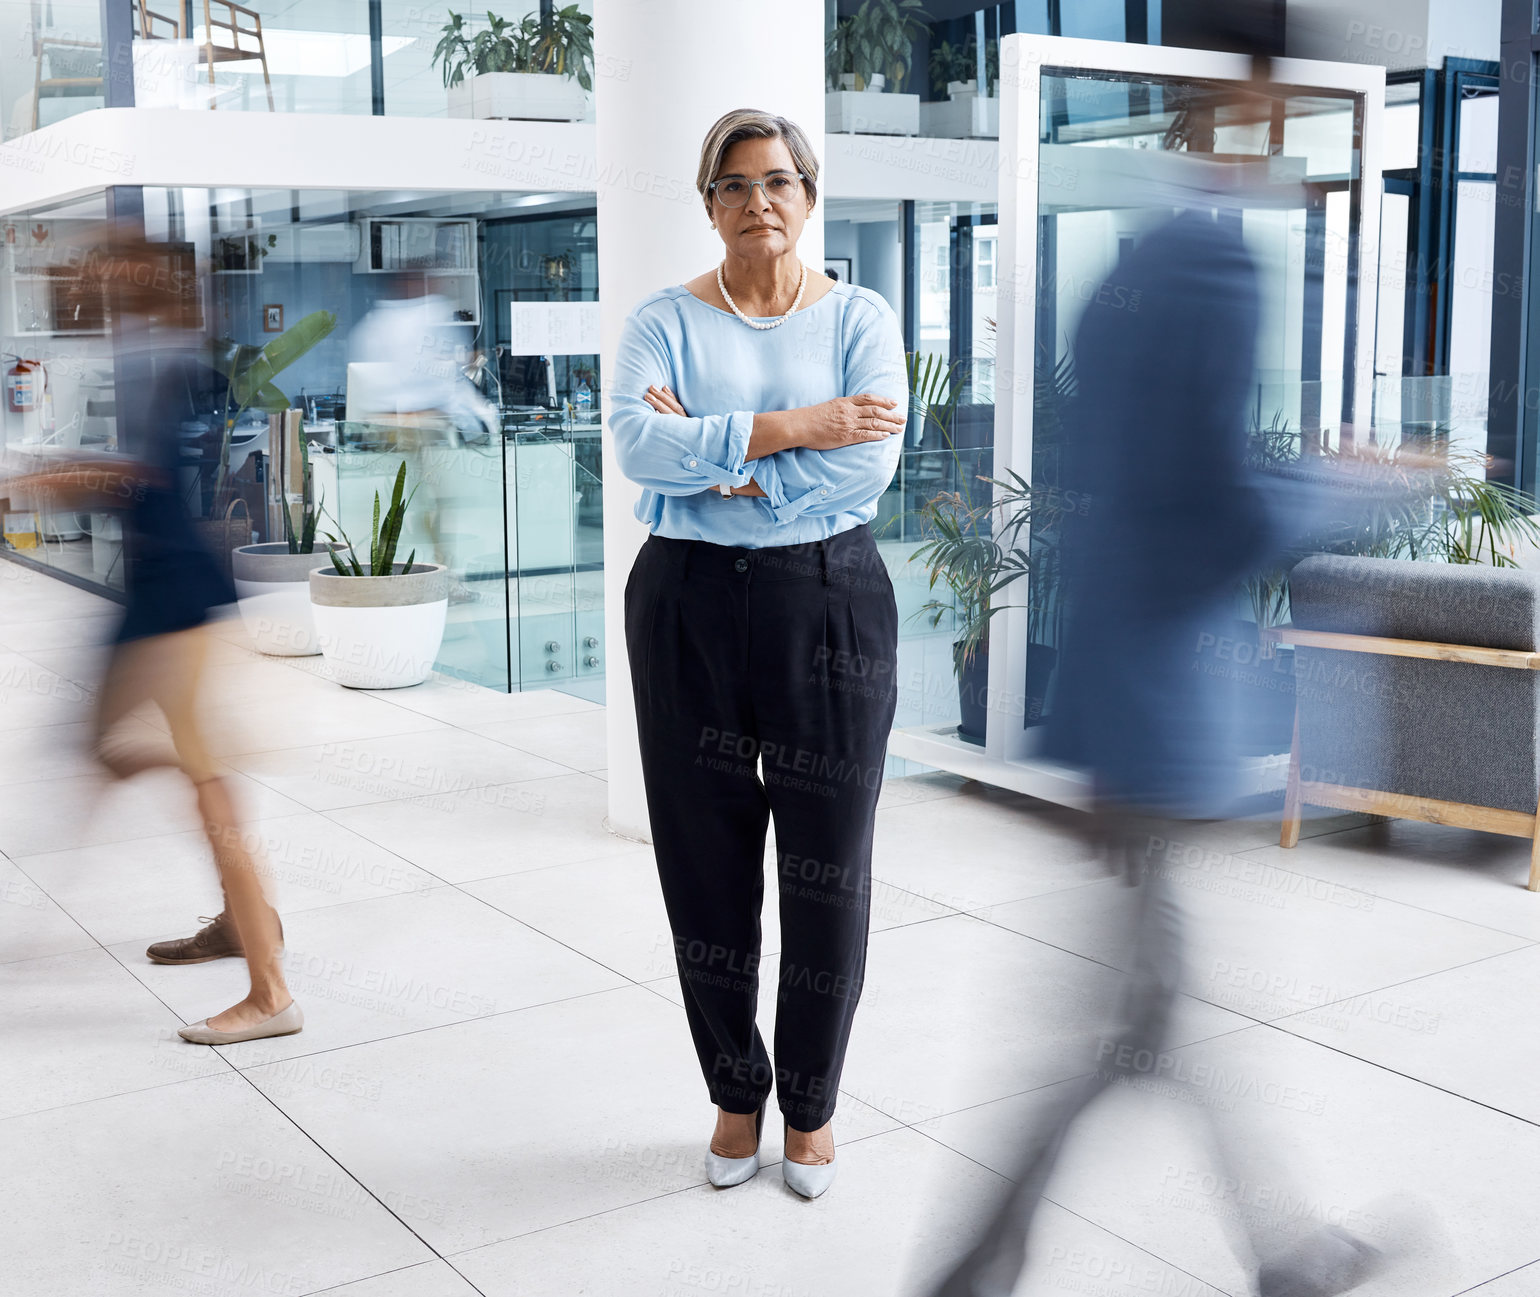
<point>755,324</point>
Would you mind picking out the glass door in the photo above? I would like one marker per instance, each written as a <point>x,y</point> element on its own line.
<point>1114,142</point>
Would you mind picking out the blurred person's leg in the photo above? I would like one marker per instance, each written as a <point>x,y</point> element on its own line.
<point>1153,928</point>
<point>182,657</point>
<point>168,671</point>
<point>1149,925</point>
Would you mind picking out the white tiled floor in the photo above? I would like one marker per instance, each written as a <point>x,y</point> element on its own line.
<point>495,1091</point>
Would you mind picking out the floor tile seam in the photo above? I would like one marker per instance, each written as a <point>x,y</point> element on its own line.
<point>46,725</point>
<point>1225,1292</point>
<point>542,869</point>
<point>400,1269</point>
<point>1380,896</point>
<point>1063,1080</point>
<point>437,1026</point>
<point>15,857</point>
<point>338,1162</point>
<point>1477,1287</point>
<point>95,942</point>
<point>1407,1076</point>
<point>438,886</point>
<point>523,923</point>
<point>57,954</point>
<point>418,797</point>
<point>123,1094</point>
<point>536,755</point>
<point>1408,981</point>
<point>702,1183</point>
<point>1065,950</point>
<point>1100,880</point>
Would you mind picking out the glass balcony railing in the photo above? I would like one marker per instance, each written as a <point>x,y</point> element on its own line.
<point>518,520</point>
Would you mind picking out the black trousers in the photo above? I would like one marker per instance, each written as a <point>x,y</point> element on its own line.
<point>782,658</point>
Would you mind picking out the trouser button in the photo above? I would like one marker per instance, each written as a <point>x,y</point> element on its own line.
<point>742,565</point>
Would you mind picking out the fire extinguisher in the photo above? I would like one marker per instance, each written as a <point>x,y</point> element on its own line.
<point>24,383</point>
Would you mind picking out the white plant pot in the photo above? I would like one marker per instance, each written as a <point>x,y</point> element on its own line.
<point>519,96</point>
<point>380,632</point>
<point>863,113</point>
<point>874,83</point>
<point>956,88</point>
<point>274,590</point>
<point>965,117</point>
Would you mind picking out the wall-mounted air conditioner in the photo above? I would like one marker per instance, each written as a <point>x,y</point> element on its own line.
<point>335,242</point>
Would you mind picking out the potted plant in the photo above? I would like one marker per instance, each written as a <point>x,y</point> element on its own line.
<point>964,112</point>
<point>538,69</point>
<point>249,372</point>
<point>986,534</point>
<point>380,626</point>
<point>867,59</point>
<point>272,579</point>
<point>1450,514</point>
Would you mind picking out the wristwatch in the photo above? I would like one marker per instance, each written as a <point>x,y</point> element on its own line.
<point>724,488</point>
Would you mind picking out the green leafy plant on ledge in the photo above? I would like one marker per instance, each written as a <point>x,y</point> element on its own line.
<point>878,39</point>
<point>562,46</point>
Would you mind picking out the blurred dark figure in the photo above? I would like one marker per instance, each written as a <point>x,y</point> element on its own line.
<point>1176,523</point>
<point>172,583</point>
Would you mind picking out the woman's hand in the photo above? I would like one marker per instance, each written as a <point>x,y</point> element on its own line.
<point>850,421</point>
<point>663,400</point>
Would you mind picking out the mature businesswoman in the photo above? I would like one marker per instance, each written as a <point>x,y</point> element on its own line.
<point>761,408</point>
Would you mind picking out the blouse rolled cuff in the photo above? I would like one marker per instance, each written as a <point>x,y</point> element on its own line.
<point>728,464</point>
<point>783,508</point>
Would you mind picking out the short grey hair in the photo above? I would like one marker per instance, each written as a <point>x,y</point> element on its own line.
<point>752,124</point>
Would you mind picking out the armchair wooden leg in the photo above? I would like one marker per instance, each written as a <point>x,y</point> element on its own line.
<point>1289,835</point>
<point>1534,857</point>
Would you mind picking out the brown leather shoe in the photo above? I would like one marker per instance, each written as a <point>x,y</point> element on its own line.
<point>217,941</point>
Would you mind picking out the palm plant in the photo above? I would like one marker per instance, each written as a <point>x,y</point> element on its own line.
<point>384,536</point>
<point>990,532</point>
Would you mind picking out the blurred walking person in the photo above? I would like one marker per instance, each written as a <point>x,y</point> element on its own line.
<point>1175,525</point>
<point>172,582</point>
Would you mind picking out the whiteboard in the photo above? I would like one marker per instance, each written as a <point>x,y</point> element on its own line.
<point>553,328</point>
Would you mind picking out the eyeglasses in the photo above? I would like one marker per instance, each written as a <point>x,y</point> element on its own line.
<point>778,187</point>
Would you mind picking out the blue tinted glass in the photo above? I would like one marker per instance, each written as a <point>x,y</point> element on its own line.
<point>1100,20</point>
<point>1031,18</point>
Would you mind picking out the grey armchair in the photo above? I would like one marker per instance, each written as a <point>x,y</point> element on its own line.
<point>1417,694</point>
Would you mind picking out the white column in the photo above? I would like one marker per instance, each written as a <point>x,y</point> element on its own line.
<point>665,71</point>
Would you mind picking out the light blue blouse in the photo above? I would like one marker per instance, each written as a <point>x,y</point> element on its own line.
<point>723,372</point>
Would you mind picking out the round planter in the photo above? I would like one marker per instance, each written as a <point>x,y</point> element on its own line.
<point>274,590</point>
<point>380,632</point>
<point>972,692</point>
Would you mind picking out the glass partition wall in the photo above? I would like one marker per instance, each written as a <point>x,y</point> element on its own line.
<point>508,487</point>
<point>1113,141</point>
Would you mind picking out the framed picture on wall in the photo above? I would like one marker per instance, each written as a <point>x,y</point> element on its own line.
<point>272,319</point>
<point>837,268</point>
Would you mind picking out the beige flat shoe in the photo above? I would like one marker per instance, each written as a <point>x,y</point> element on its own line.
<point>283,1023</point>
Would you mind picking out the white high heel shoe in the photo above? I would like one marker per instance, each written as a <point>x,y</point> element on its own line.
<point>807,1179</point>
<point>725,1172</point>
